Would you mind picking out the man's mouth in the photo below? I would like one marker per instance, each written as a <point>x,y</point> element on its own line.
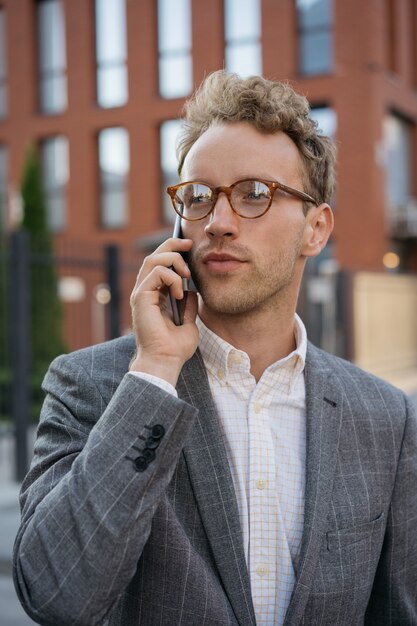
<point>221,262</point>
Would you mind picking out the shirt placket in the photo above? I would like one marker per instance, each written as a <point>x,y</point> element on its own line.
<point>262,507</point>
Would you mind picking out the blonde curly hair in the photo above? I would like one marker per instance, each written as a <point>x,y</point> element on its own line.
<point>269,107</point>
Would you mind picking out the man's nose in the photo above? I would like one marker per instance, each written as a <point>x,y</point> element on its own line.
<point>222,221</point>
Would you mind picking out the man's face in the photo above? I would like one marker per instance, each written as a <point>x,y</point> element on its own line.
<point>243,265</point>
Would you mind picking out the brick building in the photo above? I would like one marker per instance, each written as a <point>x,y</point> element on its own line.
<point>98,85</point>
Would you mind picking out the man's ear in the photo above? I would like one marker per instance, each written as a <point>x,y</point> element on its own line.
<point>319,226</point>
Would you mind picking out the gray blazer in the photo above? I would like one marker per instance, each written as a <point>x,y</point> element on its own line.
<point>107,538</point>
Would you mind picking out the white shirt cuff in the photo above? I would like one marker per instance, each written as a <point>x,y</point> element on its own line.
<point>155,380</point>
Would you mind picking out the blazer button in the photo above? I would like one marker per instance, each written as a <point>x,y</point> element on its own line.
<point>157,431</point>
<point>151,443</point>
<point>148,455</point>
<point>140,463</point>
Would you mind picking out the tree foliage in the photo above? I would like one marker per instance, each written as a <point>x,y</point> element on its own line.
<point>45,308</point>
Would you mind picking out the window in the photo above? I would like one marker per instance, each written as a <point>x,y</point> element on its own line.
<point>174,39</point>
<point>398,157</point>
<point>315,36</point>
<point>55,174</point>
<point>326,120</point>
<point>3,65</point>
<point>52,56</point>
<point>243,36</point>
<point>113,144</point>
<point>111,52</point>
<point>3,186</point>
<point>168,137</point>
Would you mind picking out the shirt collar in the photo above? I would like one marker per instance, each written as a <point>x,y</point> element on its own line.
<point>220,357</point>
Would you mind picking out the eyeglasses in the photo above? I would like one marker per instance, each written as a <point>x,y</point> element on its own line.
<point>249,198</point>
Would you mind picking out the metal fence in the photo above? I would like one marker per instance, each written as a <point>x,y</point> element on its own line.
<point>52,302</point>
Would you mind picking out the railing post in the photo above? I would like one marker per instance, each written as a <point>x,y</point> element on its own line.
<point>113,281</point>
<point>20,347</point>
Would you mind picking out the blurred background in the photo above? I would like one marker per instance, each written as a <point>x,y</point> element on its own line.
<point>91,92</point>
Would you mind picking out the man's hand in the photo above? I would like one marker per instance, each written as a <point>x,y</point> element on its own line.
<point>163,347</point>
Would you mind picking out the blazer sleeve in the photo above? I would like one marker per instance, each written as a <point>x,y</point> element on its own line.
<point>87,505</point>
<point>394,595</point>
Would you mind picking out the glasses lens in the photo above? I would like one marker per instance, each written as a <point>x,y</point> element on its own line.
<point>250,198</point>
<point>194,200</point>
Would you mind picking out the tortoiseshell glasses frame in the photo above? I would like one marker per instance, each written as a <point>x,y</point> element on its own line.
<point>249,198</point>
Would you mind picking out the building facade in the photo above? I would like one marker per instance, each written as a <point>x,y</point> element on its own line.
<point>98,86</point>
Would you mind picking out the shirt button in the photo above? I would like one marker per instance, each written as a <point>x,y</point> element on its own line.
<point>261,483</point>
<point>257,407</point>
<point>220,374</point>
<point>262,570</point>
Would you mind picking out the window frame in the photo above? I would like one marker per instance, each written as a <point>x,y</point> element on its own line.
<point>103,65</point>
<point>233,44</point>
<point>54,191</point>
<point>326,28</point>
<point>165,54</point>
<point>47,75</point>
<point>104,187</point>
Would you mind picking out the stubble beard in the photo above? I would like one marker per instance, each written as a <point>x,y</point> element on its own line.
<point>262,286</point>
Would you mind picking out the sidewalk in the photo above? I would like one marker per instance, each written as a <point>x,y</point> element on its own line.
<point>9,522</point>
<point>11,612</point>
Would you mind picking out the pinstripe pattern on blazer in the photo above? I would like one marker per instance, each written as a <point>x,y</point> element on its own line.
<point>102,543</point>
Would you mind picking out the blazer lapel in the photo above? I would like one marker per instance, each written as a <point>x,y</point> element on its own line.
<point>210,476</point>
<point>324,415</point>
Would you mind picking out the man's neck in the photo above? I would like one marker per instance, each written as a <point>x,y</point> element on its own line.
<point>266,337</point>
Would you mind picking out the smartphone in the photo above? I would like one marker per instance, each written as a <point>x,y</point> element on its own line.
<point>178,306</point>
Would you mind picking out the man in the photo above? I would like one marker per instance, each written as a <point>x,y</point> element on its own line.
<point>236,474</point>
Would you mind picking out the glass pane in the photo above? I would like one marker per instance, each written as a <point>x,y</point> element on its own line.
<point>244,59</point>
<point>111,44</point>
<point>53,93</point>
<point>52,54</point>
<point>174,25</point>
<point>3,101</point>
<point>168,137</point>
<point>3,166</point>
<point>114,151</point>
<point>55,171</point>
<point>313,13</point>
<point>55,162</point>
<point>114,170</point>
<point>112,89</point>
<point>326,119</point>
<point>315,53</point>
<point>397,144</point>
<point>113,207</point>
<point>56,206</point>
<point>242,19</point>
<point>175,76</point>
